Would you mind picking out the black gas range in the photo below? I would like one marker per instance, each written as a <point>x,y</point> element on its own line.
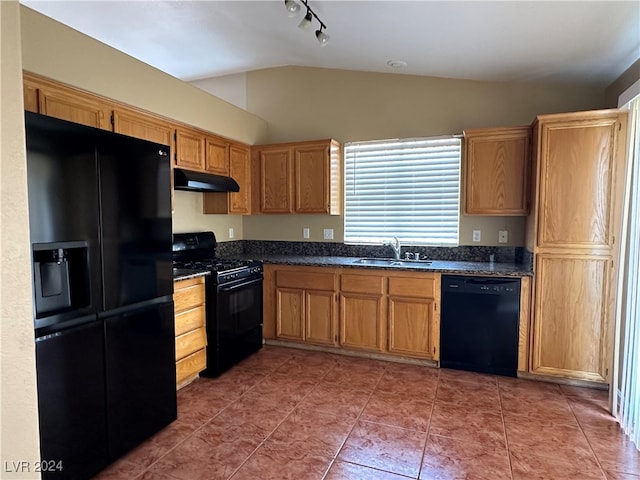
<point>223,270</point>
<point>233,302</point>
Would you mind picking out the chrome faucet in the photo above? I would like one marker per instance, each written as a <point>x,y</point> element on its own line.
<point>395,244</point>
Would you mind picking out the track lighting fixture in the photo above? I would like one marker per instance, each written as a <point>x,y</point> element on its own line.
<point>292,7</point>
<point>322,37</point>
<point>305,24</point>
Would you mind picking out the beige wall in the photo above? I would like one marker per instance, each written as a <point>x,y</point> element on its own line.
<point>311,103</point>
<point>188,217</point>
<point>18,400</point>
<point>624,81</point>
<point>61,53</point>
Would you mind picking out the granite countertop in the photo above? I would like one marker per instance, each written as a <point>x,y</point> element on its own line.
<point>185,273</point>
<point>441,266</point>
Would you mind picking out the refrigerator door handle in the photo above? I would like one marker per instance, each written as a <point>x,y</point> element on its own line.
<point>136,306</point>
<point>58,329</point>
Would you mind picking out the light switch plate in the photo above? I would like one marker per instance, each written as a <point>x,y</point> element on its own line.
<point>305,233</point>
<point>328,233</point>
<point>231,233</point>
<point>503,236</point>
<point>476,235</point>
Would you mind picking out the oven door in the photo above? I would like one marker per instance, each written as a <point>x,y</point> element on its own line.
<point>235,331</point>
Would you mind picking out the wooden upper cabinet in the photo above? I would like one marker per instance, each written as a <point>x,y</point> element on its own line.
<point>276,180</point>
<point>66,103</point>
<point>190,149</point>
<point>138,125</point>
<point>577,161</point>
<point>317,178</point>
<point>30,93</point>
<point>497,166</point>
<point>302,177</point>
<point>240,171</point>
<point>216,155</point>
<point>238,203</point>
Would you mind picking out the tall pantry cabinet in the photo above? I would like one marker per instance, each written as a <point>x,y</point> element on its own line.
<point>578,179</point>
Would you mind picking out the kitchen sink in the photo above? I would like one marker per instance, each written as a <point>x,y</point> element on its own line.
<point>392,262</point>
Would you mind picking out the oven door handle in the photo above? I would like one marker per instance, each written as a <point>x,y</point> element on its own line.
<point>225,288</point>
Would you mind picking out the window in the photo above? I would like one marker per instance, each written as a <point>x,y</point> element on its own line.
<point>626,383</point>
<point>405,188</point>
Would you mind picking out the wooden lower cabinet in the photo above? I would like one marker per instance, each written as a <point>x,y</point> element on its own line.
<point>414,327</point>
<point>290,314</point>
<point>190,327</point>
<point>375,311</point>
<point>320,317</point>
<point>571,322</point>
<point>305,305</point>
<point>363,311</point>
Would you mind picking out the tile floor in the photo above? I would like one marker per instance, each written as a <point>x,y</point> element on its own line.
<point>294,414</point>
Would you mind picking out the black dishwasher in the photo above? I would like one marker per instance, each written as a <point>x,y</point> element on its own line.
<point>479,324</point>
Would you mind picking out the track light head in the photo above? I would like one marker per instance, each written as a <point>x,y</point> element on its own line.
<point>292,7</point>
<point>322,37</point>
<point>305,23</point>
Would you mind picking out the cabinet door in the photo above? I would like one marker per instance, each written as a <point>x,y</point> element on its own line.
<point>497,171</point>
<point>189,149</point>
<point>320,318</point>
<point>577,163</point>
<point>240,170</point>
<point>74,107</point>
<point>289,314</point>
<point>238,203</point>
<point>362,321</point>
<point>142,126</point>
<point>410,321</point>
<point>312,179</point>
<point>571,316</point>
<point>276,181</point>
<point>217,156</point>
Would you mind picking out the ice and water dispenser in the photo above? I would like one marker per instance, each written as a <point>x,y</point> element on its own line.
<point>61,277</point>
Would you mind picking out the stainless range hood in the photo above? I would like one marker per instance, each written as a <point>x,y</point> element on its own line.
<point>203,182</point>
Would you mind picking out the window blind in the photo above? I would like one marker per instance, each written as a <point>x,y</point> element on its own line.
<point>405,188</point>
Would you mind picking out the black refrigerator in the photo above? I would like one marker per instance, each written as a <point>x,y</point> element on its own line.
<point>100,230</point>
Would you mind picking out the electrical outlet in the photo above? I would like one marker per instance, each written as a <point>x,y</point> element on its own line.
<point>305,233</point>
<point>476,235</point>
<point>503,236</point>
<point>328,233</point>
<point>231,233</point>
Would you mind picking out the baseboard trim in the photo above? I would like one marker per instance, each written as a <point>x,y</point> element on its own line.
<point>354,353</point>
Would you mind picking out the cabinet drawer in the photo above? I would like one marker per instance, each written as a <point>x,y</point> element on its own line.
<point>190,342</point>
<point>189,297</point>
<point>305,280</point>
<point>362,283</point>
<point>190,366</point>
<point>411,287</point>
<point>190,320</point>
